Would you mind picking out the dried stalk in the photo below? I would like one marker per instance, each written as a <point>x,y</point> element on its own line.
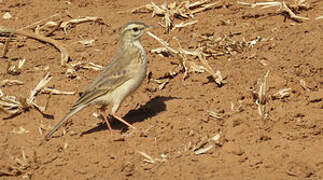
<point>184,9</point>
<point>13,105</point>
<point>8,82</point>
<point>56,44</point>
<point>282,7</point>
<point>66,24</point>
<point>262,95</point>
<point>182,54</point>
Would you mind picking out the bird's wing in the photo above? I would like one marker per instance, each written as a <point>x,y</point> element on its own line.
<point>113,76</point>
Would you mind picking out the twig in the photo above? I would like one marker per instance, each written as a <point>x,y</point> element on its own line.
<point>54,29</point>
<point>38,22</point>
<point>6,45</point>
<point>68,23</point>
<point>262,95</point>
<point>282,7</point>
<point>282,94</point>
<point>181,53</point>
<point>53,91</point>
<point>165,44</point>
<point>148,158</point>
<point>173,10</point>
<point>182,24</point>
<point>291,13</point>
<point>56,44</point>
<point>8,82</point>
<point>39,87</point>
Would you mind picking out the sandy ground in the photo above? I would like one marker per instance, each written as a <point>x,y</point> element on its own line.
<point>284,143</point>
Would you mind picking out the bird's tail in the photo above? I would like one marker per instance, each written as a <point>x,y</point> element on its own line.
<point>61,122</point>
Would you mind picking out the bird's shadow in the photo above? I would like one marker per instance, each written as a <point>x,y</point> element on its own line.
<point>153,107</point>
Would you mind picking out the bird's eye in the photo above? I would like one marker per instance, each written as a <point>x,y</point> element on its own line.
<point>135,29</point>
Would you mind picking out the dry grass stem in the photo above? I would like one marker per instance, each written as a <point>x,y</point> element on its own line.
<point>88,65</point>
<point>56,44</point>
<point>21,63</point>
<point>6,15</point>
<point>182,24</point>
<point>40,21</point>
<point>87,42</point>
<point>262,95</point>
<point>9,82</point>
<point>212,46</point>
<point>42,83</point>
<point>196,68</point>
<point>148,158</point>
<point>21,130</point>
<point>72,68</point>
<point>203,150</point>
<point>162,42</point>
<point>69,23</point>
<point>49,24</point>
<point>282,94</point>
<point>12,68</point>
<point>282,7</point>
<point>161,51</point>
<point>205,144</point>
<point>303,85</point>
<point>291,13</point>
<point>319,17</point>
<point>54,29</point>
<point>169,12</point>
<point>215,115</point>
<point>53,91</point>
<point>40,130</point>
<point>204,7</point>
<point>12,105</point>
<point>6,46</point>
<point>162,83</point>
<point>182,54</point>
<point>216,138</point>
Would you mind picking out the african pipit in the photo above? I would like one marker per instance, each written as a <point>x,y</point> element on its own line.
<point>122,76</point>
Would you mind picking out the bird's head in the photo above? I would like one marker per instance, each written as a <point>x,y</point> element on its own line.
<point>133,31</point>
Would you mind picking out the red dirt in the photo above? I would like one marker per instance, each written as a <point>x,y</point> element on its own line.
<point>286,145</point>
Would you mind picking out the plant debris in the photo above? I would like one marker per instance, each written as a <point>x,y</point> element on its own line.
<point>71,22</point>
<point>282,94</point>
<point>12,105</point>
<point>150,160</point>
<point>182,55</point>
<point>303,85</point>
<point>56,44</point>
<point>214,47</point>
<point>21,130</point>
<point>6,15</point>
<point>262,95</point>
<point>9,82</point>
<point>169,12</point>
<point>283,7</point>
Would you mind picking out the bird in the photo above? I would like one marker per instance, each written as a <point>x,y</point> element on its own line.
<point>120,78</point>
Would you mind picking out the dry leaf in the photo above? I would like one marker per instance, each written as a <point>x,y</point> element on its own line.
<point>6,15</point>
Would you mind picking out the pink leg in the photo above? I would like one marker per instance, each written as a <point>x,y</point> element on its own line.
<point>106,119</point>
<point>123,121</point>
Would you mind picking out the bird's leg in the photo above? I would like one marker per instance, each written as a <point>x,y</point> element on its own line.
<point>123,121</point>
<point>102,110</point>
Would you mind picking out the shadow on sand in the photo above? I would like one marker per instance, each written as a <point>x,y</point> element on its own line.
<point>150,109</point>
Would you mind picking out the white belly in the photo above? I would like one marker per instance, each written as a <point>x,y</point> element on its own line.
<point>116,97</point>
